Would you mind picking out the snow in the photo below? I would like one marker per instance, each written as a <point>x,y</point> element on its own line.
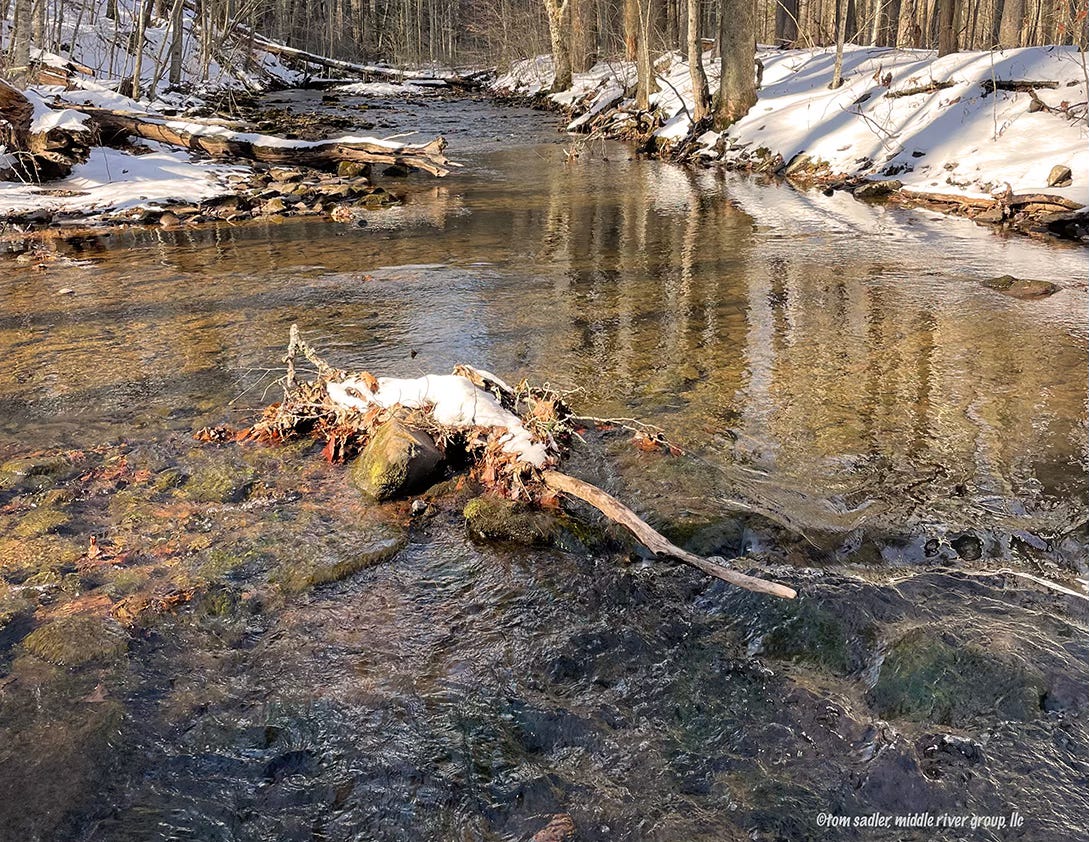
<point>112,180</point>
<point>45,119</point>
<point>454,401</point>
<point>378,89</point>
<point>958,140</point>
<point>92,43</point>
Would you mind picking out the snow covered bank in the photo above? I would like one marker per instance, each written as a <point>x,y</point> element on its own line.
<point>936,125</point>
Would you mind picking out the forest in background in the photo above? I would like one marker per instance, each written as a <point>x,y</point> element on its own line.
<point>497,32</point>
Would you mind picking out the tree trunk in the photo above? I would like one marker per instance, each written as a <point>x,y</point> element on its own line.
<point>905,33</point>
<point>177,35</point>
<point>645,84</point>
<point>20,45</point>
<point>701,92</point>
<point>786,22</point>
<point>841,36</point>
<point>559,31</point>
<point>1009,29</point>
<point>737,62</point>
<point>631,29</point>
<point>947,32</point>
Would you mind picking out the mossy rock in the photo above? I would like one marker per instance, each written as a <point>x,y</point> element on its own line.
<point>40,521</point>
<point>499,519</point>
<point>396,461</point>
<point>33,473</point>
<point>220,482</point>
<point>811,633</point>
<point>925,677</point>
<point>1022,288</point>
<point>24,557</point>
<point>74,641</point>
<point>340,559</point>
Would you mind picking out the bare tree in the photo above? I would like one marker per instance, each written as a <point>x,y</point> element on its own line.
<point>559,30</point>
<point>700,91</point>
<point>737,62</point>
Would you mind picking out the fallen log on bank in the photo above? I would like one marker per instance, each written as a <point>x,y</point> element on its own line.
<point>223,143</point>
<point>510,439</point>
<point>39,144</point>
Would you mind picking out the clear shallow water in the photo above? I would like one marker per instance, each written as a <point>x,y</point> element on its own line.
<point>838,368</point>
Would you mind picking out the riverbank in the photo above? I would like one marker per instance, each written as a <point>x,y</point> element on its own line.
<point>998,137</point>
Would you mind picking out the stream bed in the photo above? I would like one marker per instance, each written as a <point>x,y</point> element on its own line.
<point>249,651</point>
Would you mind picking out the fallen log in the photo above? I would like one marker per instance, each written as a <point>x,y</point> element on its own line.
<point>40,144</point>
<point>1024,86</point>
<point>928,88</point>
<point>223,143</point>
<point>654,540</point>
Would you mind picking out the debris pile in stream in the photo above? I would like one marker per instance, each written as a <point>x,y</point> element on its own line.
<point>403,430</point>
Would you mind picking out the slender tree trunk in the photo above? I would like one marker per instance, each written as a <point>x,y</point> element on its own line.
<point>20,45</point>
<point>841,36</point>
<point>644,66</point>
<point>700,91</point>
<point>737,60</point>
<point>138,48</point>
<point>177,36</point>
<point>631,29</point>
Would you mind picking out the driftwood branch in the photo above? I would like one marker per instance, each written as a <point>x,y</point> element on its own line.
<point>227,144</point>
<point>654,540</point>
<point>928,88</point>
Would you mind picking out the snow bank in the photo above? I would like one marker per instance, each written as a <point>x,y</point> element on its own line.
<point>454,402</point>
<point>959,140</point>
<point>112,180</point>
<point>45,119</point>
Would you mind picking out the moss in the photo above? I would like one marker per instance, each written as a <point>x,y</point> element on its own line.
<point>220,482</point>
<point>220,562</point>
<point>333,563</point>
<point>811,634</point>
<point>23,557</point>
<point>498,519</point>
<point>73,641</point>
<point>39,521</point>
<point>33,473</point>
<point>925,677</point>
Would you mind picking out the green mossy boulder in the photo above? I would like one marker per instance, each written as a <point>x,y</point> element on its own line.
<point>498,519</point>
<point>74,641</point>
<point>926,677</point>
<point>396,461</point>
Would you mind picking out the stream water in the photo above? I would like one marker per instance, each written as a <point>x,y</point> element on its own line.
<point>861,415</point>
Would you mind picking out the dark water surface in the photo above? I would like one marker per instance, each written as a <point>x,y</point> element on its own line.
<point>865,417</point>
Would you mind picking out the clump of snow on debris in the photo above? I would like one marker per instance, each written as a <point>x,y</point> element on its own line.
<point>45,119</point>
<point>453,401</point>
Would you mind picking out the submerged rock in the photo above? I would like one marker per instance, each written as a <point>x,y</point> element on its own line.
<point>33,473</point>
<point>396,461</point>
<point>499,519</point>
<point>334,561</point>
<point>220,482</point>
<point>925,677</point>
<point>1023,288</point>
<point>73,641</point>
